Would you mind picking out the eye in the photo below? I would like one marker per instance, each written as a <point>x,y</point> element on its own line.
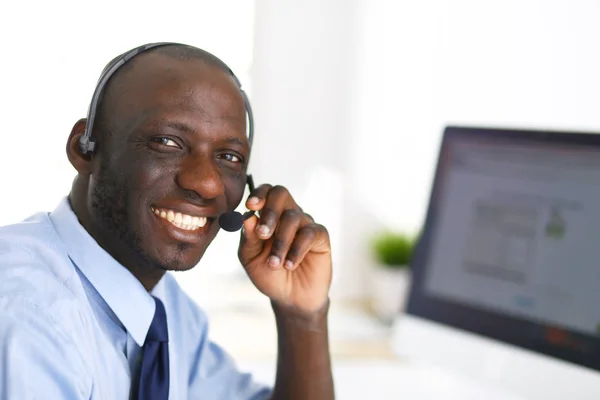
<point>230,157</point>
<point>165,141</point>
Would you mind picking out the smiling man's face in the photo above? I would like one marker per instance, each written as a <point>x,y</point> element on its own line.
<point>174,160</point>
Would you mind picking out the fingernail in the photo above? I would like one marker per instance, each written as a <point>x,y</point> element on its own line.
<point>273,261</point>
<point>262,230</point>
<point>253,200</point>
<point>288,264</point>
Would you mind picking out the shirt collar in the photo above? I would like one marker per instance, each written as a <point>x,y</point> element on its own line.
<point>123,293</point>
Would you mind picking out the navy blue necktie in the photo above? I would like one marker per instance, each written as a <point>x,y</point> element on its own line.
<point>154,373</point>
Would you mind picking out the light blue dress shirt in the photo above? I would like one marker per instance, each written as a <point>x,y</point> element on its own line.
<point>73,322</point>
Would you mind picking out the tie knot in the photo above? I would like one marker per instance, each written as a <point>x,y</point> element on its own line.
<point>158,331</point>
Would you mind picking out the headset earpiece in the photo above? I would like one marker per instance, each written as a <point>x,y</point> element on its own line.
<point>86,145</point>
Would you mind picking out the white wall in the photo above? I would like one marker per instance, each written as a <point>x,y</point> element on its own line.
<point>363,89</point>
<point>524,63</point>
<point>303,75</point>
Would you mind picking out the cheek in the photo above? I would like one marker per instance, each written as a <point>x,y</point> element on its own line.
<point>150,174</point>
<point>146,179</point>
<point>234,190</point>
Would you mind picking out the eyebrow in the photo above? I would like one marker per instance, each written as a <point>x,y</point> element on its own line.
<point>243,143</point>
<point>179,126</point>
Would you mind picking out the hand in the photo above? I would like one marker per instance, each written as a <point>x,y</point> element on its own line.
<point>285,253</point>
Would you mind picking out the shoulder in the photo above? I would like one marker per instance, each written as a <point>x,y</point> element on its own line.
<point>35,273</point>
<point>29,241</point>
<point>40,316</point>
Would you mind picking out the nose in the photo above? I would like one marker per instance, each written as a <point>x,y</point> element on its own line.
<point>200,174</point>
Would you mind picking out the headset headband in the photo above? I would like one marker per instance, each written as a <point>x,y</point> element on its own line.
<point>87,144</point>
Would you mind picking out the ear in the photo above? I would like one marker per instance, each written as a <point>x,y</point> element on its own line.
<point>81,162</point>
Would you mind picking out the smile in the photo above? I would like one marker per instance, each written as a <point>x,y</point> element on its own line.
<point>179,220</point>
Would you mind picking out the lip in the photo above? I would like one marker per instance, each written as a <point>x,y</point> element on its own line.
<point>182,235</point>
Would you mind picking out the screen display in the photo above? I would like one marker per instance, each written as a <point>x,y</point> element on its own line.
<point>514,231</point>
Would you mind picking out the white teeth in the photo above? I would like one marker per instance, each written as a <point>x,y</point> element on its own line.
<point>182,221</point>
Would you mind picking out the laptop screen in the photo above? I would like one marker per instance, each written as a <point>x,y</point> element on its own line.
<point>511,245</point>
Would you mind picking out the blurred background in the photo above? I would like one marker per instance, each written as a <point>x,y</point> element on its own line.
<point>350,99</point>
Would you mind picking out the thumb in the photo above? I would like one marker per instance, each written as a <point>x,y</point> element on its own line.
<point>250,244</point>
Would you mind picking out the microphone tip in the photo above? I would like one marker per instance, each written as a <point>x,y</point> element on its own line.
<point>231,221</point>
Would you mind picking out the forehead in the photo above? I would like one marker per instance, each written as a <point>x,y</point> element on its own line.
<point>156,88</point>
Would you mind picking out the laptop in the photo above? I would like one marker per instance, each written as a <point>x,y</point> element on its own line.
<point>506,276</point>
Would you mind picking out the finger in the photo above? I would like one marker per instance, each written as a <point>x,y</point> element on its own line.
<point>277,201</point>
<point>257,198</point>
<point>312,237</point>
<point>250,244</point>
<point>284,235</point>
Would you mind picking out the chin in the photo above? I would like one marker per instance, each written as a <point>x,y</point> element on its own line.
<point>178,268</point>
<point>178,258</point>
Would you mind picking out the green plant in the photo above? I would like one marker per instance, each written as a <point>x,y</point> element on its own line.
<point>393,250</point>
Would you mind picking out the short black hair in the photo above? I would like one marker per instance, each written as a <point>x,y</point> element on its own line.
<point>102,126</point>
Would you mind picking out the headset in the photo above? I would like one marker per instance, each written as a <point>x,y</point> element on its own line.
<point>230,221</point>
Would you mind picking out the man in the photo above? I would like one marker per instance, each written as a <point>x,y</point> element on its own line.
<point>88,309</point>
